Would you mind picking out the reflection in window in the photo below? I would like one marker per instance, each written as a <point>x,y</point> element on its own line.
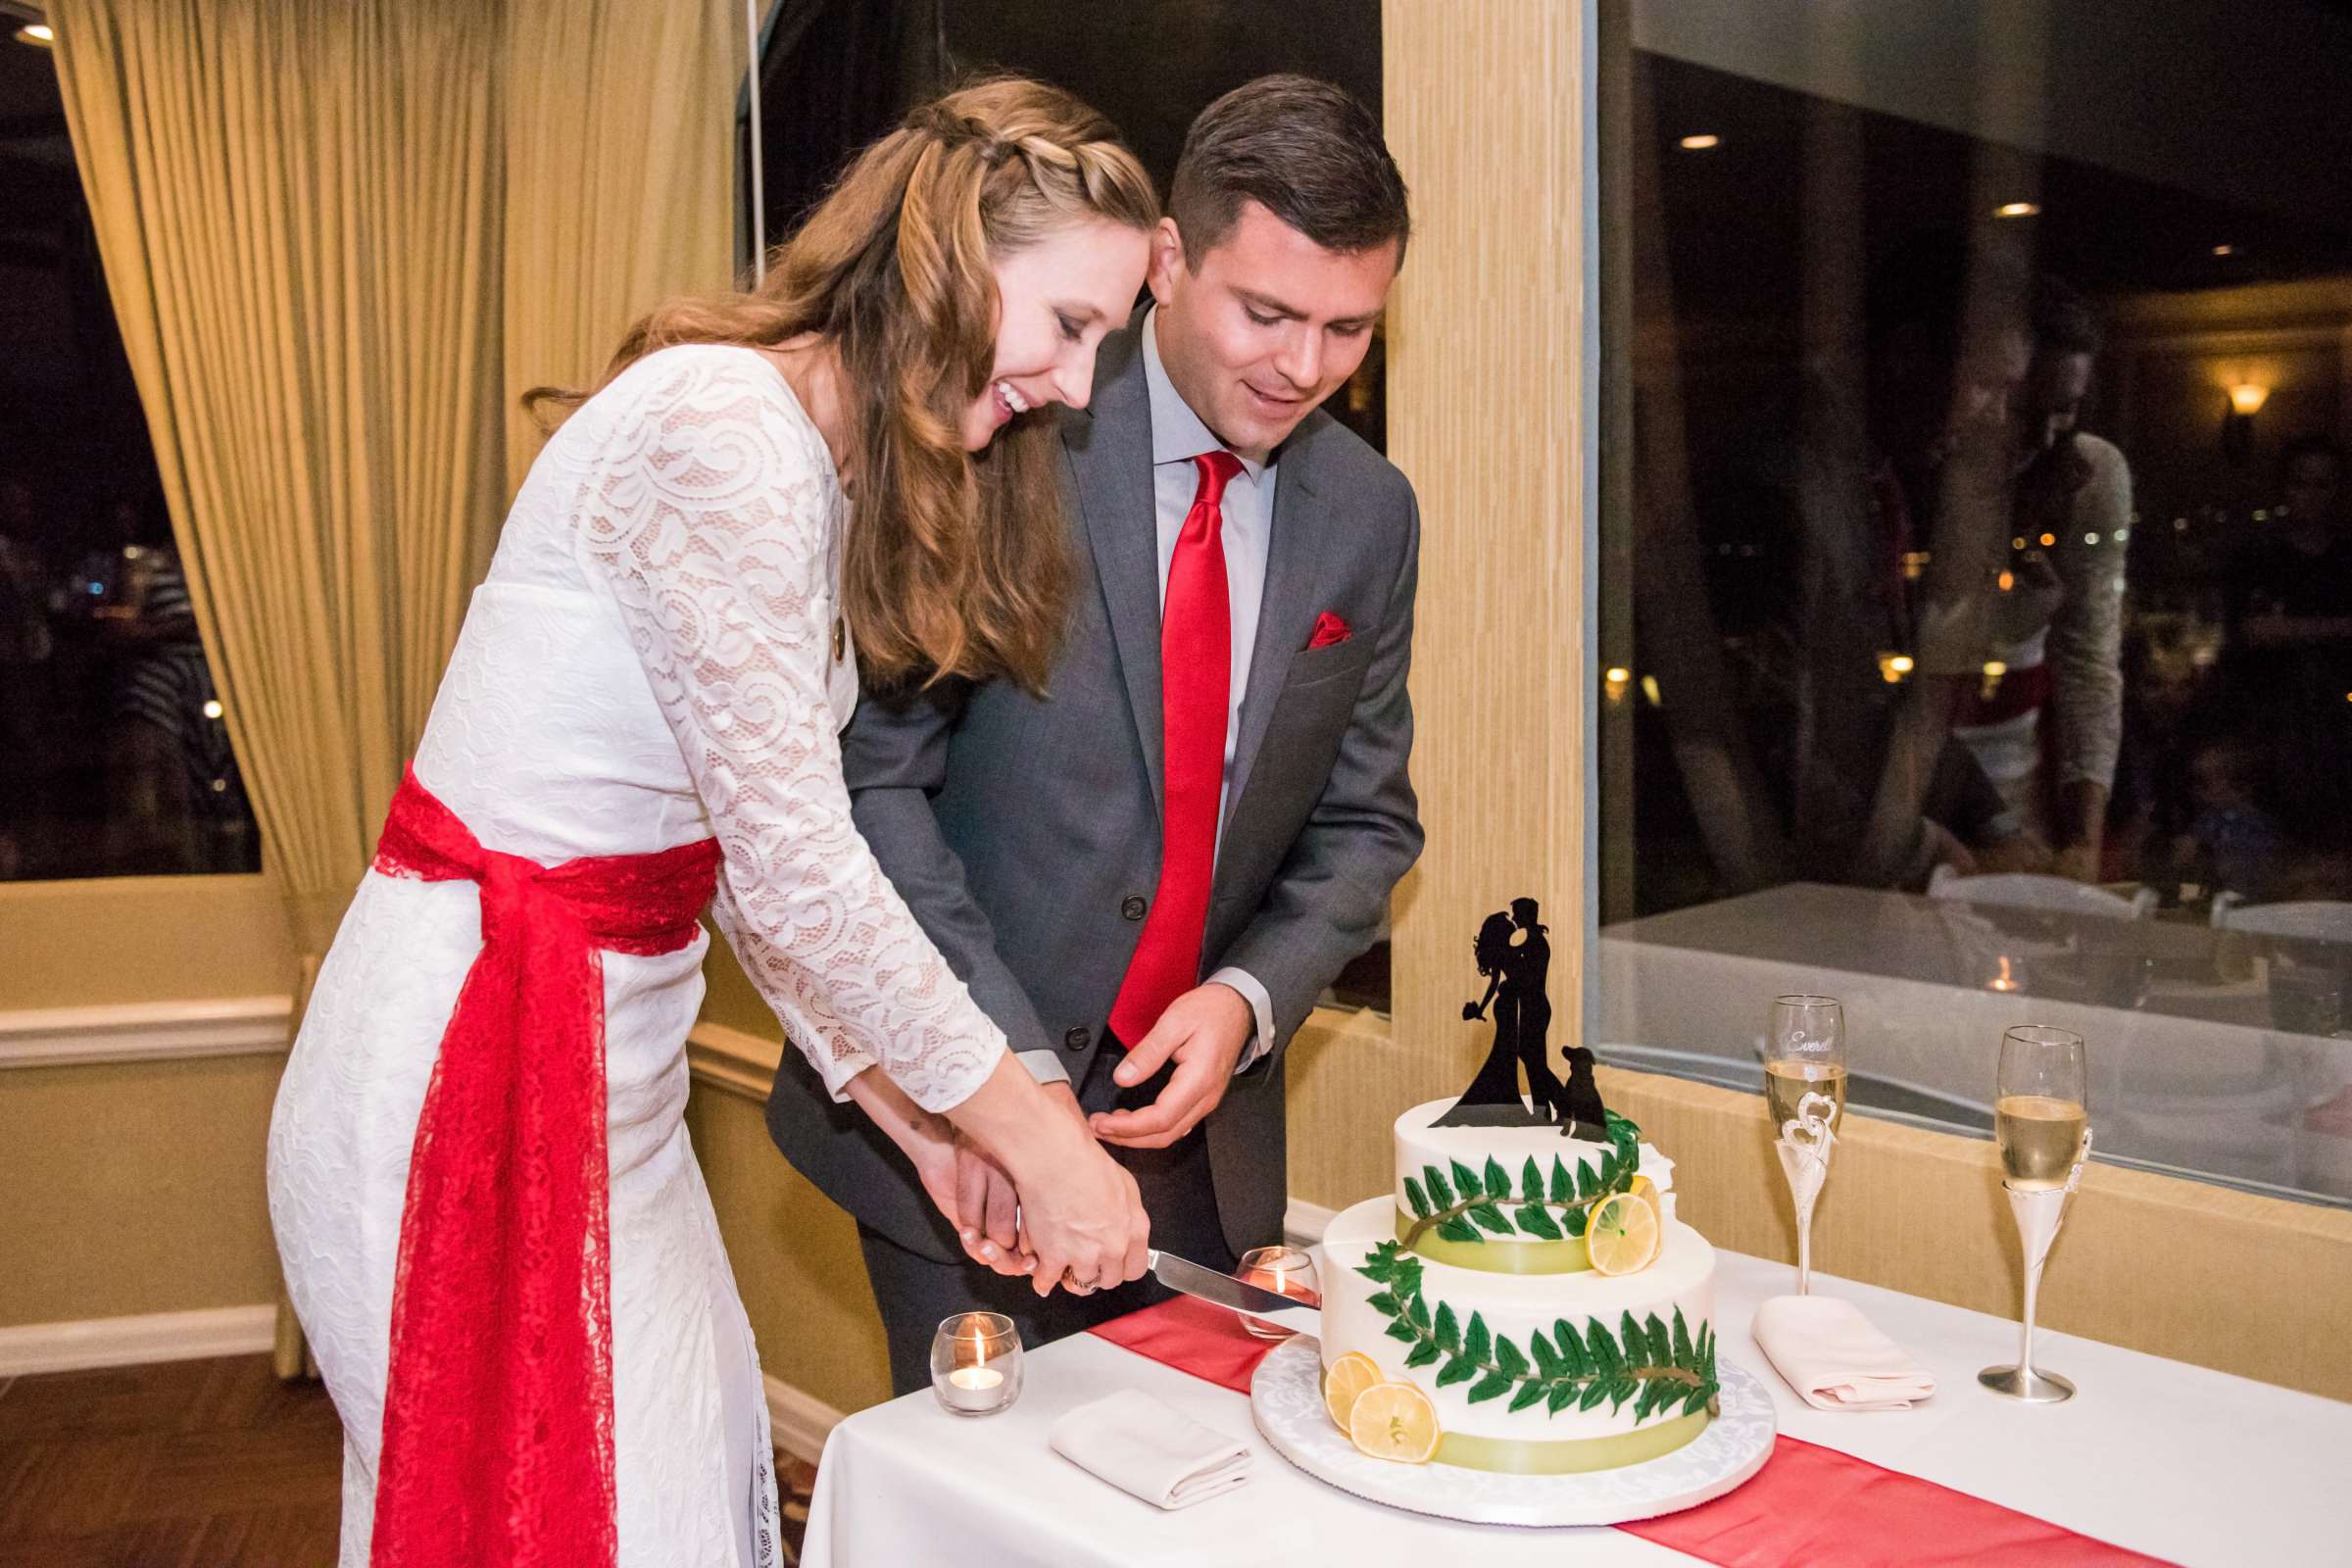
<point>113,754</point>
<point>1978,556</point>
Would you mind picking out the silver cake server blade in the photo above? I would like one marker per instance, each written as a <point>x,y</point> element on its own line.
<point>1223,1290</point>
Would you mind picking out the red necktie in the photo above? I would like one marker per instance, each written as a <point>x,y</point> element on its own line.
<point>1196,687</point>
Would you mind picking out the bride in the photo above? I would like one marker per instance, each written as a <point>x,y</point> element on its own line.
<point>491,1223</point>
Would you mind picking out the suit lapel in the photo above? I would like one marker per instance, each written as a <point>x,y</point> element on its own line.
<point>1110,455</point>
<point>1291,558</point>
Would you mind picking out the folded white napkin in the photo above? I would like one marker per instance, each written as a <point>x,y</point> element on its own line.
<point>1141,1446</point>
<point>1834,1360</point>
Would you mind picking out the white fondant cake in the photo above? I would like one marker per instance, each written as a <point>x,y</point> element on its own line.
<point>1466,1279</point>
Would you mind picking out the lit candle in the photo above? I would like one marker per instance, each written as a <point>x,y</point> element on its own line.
<point>965,1376</point>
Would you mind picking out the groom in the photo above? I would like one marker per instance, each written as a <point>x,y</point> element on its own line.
<point>1148,876</point>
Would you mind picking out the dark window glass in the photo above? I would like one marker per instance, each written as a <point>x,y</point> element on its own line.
<point>1976,556</point>
<point>114,757</point>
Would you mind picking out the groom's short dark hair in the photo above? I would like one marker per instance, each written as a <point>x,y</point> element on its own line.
<point>1306,151</point>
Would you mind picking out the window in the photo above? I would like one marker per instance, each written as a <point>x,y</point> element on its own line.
<point>1976,556</point>
<point>114,757</point>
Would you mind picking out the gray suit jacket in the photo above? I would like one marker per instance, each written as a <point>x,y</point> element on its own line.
<point>1025,833</point>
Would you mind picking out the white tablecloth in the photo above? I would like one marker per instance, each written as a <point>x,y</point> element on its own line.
<point>2176,1460</point>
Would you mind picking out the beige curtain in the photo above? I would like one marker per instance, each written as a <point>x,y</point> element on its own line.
<point>296,207</point>
<point>620,178</point>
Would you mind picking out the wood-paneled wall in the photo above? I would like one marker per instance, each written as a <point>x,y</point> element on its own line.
<point>1485,379</point>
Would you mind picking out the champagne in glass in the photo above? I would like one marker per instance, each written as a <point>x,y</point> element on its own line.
<point>2040,1137</point>
<point>1787,1081</point>
<point>1804,1090</point>
<point>2040,1120</point>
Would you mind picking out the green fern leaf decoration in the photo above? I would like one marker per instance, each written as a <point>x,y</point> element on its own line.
<point>1417,1311</point>
<point>1487,1215</point>
<point>1414,1195</point>
<point>1441,1195</point>
<point>1684,1356</point>
<point>1385,1303</point>
<point>1661,1348</point>
<point>1531,1183</point>
<point>1575,1220</point>
<point>1549,1364</point>
<point>1572,1349</point>
<point>1595,1391</point>
<point>1461,1369</point>
<point>1477,1344</point>
<point>1492,1385</point>
<point>1605,1358</point>
<point>1563,1395</point>
<point>1466,1182</point>
<point>1400,1330</point>
<point>1632,1341</point>
<point>1563,1185</point>
<point>1587,1182</point>
<point>1698,1400</point>
<point>1448,1331</point>
<point>1508,1361</point>
<point>1459,1229</point>
<point>1424,1352</point>
<point>1529,1394</point>
<point>1538,1223</point>
<point>1498,1180</point>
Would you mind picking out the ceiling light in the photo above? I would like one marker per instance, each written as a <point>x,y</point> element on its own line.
<point>2017,209</point>
<point>2225,250</point>
<point>39,35</point>
<point>1700,143</point>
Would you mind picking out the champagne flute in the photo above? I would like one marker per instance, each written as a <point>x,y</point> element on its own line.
<point>1804,1090</point>
<point>2039,1119</point>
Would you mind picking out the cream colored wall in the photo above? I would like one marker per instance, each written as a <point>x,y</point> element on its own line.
<point>135,1188</point>
<point>795,1256</point>
<point>141,939</point>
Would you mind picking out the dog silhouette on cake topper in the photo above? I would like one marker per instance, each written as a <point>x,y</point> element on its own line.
<point>1514,954</point>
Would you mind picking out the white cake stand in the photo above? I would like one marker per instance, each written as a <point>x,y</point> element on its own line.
<point>1286,1397</point>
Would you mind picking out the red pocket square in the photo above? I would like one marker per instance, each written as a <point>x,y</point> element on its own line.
<point>1329,630</point>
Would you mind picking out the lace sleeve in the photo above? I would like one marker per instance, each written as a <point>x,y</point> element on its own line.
<point>705,517</point>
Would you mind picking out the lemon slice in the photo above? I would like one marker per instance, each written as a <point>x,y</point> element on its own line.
<point>1623,1235</point>
<point>1349,1376</point>
<point>1393,1421</point>
<point>1648,1190</point>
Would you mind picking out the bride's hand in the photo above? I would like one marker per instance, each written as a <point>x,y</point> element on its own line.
<point>1081,1216</point>
<point>970,1189</point>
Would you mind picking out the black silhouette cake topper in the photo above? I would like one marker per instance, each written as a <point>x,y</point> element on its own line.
<point>1514,954</point>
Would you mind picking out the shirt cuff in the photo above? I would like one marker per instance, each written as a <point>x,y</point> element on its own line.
<point>1261,1007</point>
<point>1045,1066</point>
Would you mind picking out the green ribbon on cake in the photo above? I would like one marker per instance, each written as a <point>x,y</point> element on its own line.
<point>1569,1456</point>
<point>1567,1256</point>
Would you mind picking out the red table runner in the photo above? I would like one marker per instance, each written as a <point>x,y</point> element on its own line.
<point>1809,1505</point>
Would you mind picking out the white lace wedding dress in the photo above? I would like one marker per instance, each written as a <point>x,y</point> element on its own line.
<point>654,658</point>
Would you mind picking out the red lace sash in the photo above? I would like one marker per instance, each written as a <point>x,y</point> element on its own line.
<point>498,1408</point>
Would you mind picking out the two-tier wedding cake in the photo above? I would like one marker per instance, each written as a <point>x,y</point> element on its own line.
<point>1534,1288</point>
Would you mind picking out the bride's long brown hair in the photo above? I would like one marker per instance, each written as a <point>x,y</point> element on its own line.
<point>955,563</point>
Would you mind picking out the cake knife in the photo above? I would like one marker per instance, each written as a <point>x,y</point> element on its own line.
<point>1238,1296</point>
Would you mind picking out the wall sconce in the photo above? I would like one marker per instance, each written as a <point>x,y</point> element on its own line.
<point>1614,680</point>
<point>2246,399</point>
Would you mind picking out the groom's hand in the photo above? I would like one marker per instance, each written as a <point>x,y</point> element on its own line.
<point>1202,1032</point>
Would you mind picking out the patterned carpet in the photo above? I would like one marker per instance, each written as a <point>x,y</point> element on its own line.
<point>191,1464</point>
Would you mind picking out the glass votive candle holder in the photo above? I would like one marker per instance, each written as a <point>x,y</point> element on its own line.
<point>1286,1271</point>
<point>976,1363</point>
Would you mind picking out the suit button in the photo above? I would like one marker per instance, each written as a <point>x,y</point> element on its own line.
<point>1133,908</point>
<point>1077,1039</point>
